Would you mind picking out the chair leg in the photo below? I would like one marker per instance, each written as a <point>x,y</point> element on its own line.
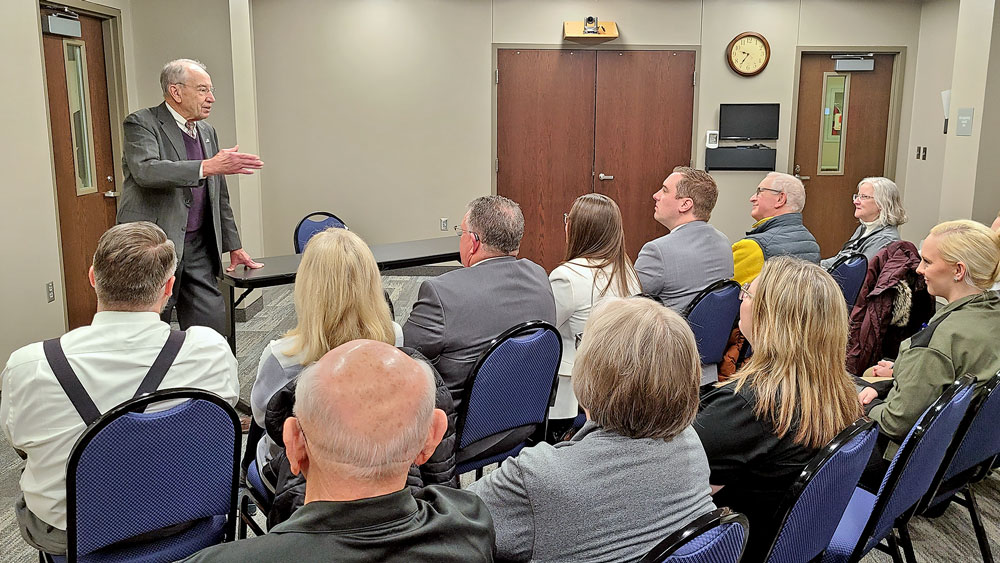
<point>897,557</point>
<point>907,543</point>
<point>977,525</point>
<point>479,473</point>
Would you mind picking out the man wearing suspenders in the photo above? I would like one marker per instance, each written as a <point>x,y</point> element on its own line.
<point>52,390</point>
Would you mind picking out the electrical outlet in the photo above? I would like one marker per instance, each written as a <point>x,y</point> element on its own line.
<point>444,223</point>
<point>50,290</point>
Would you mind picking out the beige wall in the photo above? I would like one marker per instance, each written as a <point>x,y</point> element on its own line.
<point>986,201</point>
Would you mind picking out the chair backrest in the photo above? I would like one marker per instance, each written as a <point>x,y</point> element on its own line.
<point>913,467</point>
<point>717,537</point>
<point>711,316</point>
<point>818,498</point>
<point>309,226</point>
<point>512,383</point>
<point>849,272</point>
<point>133,472</point>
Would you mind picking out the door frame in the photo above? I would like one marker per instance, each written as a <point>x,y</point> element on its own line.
<point>895,98</point>
<point>114,61</point>
<point>495,47</point>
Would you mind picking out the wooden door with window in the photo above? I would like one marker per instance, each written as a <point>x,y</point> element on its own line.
<point>567,118</point>
<point>79,117</point>
<point>841,134</point>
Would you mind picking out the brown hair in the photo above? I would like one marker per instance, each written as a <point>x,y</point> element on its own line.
<point>637,370</point>
<point>596,233</point>
<point>799,350</point>
<point>132,263</point>
<point>700,187</point>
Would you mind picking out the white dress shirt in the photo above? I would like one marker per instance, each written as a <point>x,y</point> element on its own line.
<point>110,357</point>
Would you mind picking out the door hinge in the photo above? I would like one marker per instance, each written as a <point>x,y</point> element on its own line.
<point>496,165</point>
<point>694,78</point>
<point>496,75</point>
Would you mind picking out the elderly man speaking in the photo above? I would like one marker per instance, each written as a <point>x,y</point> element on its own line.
<point>175,176</point>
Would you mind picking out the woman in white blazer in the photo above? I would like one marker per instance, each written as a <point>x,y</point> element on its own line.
<point>596,266</point>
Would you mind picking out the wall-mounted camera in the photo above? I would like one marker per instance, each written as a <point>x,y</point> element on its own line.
<point>590,25</point>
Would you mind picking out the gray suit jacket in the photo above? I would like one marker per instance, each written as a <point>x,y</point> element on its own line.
<point>159,178</point>
<point>676,266</point>
<point>458,313</point>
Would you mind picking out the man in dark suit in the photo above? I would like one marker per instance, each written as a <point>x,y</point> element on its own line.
<point>457,314</point>
<point>175,176</point>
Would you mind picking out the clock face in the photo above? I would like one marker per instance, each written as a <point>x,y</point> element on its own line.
<point>748,53</point>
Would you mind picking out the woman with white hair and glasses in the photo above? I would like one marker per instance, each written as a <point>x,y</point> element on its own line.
<point>879,208</point>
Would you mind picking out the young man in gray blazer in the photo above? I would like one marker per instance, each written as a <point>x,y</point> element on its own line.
<point>175,176</point>
<point>458,313</point>
<point>694,254</point>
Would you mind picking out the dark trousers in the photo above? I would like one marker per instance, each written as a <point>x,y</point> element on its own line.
<point>196,291</point>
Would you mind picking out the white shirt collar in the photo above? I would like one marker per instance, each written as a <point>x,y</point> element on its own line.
<point>119,317</point>
<point>181,122</point>
<point>487,260</point>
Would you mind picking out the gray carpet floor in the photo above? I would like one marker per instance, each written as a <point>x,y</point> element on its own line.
<point>948,538</point>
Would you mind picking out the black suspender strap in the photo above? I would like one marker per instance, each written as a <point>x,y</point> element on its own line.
<point>161,364</point>
<point>71,385</point>
<point>70,382</point>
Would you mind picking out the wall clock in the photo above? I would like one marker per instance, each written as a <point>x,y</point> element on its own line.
<point>748,53</point>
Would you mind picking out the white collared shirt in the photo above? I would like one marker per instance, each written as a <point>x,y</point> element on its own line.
<point>110,357</point>
<point>182,125</point>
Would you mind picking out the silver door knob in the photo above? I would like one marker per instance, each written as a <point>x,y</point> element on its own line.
<point>603,176</point>
<point>111,179</point>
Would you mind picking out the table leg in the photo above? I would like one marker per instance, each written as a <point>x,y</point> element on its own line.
<point>231,317</point>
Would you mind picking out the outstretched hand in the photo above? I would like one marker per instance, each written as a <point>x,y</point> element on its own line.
<point>231,161</point>
<point>240,256</point>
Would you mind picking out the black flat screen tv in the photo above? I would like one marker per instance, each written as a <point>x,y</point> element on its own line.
<point>748,121</point>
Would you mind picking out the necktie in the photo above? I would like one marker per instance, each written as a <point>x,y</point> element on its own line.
<point>190,129</point>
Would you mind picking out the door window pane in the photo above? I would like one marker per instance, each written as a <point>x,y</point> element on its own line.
<point>78,91</point>
<point>833,128</point>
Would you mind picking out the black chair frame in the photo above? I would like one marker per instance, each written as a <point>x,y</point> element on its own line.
<point>295,233</point>
<point>845,259</point>
<point>858,427</point>
<point>463,411</point>
<point>962,482</point>
<point>712,287</point>
<point>138,405</point>
<point>903,539</point>
<point>699,526</point>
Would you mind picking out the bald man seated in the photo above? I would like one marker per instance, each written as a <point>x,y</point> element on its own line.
<point>363,413</point>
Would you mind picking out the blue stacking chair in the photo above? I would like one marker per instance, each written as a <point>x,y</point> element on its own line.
<point>133,473</point>
<point>717,537</point>
<point>972,454</point>
<point>871,518</point>
<point>711,316</point>
<point>308,227</point>
<point>820,495</point>
<point>511,388</point>
<point>849,272</point>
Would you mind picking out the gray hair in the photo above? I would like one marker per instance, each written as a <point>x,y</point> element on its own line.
<point>890,206</point>
<point>366,458</point>
<point>795,192</point>
<point>175,72</point>
<point>498,222</point>
<point>132,263</point>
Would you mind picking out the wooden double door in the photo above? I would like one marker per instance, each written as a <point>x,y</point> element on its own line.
<point>576,122</point>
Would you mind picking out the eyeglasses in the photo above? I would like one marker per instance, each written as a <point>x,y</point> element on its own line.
<point>862,197</point>
<point>203,90</point>
<point>460,231</point>
<point>565,218</point>
<point>759,189</point>
<point>745,292</point>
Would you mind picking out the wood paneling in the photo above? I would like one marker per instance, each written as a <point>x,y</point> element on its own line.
<point>829,211</point>
<point>82,218</point>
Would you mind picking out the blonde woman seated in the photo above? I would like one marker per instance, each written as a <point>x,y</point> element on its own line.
<point>635,472</point>
<point>596,267</point>
<point>960,261</point>
<point>791,397</point>
<point>338,298</point>
<point>879,208</point>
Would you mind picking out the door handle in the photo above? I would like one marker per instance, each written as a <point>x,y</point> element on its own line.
<point>110,193</point>
<point>111,179</point>
<point>603,176</point>
<point>803,178</point>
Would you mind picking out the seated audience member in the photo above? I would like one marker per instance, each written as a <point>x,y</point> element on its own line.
<point>959,261</point>
<point>338,298</point>
<point>788,400</point>
<point>676,266</point>
<point>458,314</point>
<point>635,472</point>
<point>596,267</point>
<point>363,414</point>
<point>878,207</point>
<point>133,275</point>
<point>777,208</point>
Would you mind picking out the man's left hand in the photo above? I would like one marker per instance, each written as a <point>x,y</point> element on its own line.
<point>240,256</point>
